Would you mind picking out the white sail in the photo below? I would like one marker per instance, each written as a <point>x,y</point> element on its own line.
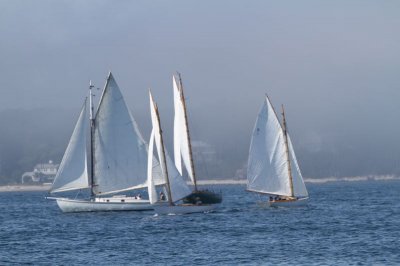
<point>267,170</point>
<point>181,138</point>
<point>177,185</point>
<point>150,182</point>
<point>72,173</point>
<point>299,188</point>
<point>120,153</point>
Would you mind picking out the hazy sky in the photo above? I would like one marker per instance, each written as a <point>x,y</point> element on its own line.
<point>334,64</point>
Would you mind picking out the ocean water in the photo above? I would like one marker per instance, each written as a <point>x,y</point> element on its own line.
<point>345,223</point>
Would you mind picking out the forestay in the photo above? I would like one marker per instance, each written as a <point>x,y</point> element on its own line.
<point>181,138</point>
<point>120,153</point>
<point>177,185</point>
<point>72,173</point>
<point>299,188</point>
<point>267,170</point>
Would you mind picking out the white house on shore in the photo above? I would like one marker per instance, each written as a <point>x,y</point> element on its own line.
<point>41,174</point>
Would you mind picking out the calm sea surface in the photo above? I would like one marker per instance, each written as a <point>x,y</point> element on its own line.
<point>349,223</point>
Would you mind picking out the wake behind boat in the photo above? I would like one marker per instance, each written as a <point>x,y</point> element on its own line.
<point>272,166</point>
<point>117,158</point>
<point>175,186</point>
<point>183,147</point>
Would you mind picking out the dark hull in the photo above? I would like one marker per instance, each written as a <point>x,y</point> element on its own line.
<point>203,196</point>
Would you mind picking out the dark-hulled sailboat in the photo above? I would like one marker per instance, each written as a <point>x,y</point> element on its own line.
<point>183,147</point>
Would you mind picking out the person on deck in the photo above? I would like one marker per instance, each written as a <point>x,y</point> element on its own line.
<point>162,196</point>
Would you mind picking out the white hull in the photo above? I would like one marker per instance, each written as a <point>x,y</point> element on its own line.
<point>183,209</point>
<point>289,203</point>
<point>71,205</point>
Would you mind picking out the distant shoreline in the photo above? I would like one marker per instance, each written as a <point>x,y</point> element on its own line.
<point>26,188</point>
<point>351,179</point>
<point>322,180</point>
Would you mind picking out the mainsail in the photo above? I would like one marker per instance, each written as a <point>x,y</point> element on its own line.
<point>72,173</point>
<point>181,137</point>
<point>177,186</point>
<point>267,170</point>
<point>120,153</point>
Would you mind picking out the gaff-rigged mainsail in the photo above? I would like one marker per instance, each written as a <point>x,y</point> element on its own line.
<point>267,170</point>
<point>182,147</point>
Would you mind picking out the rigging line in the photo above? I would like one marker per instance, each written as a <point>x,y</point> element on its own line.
<point>199,154</point>
<point>77,194</point>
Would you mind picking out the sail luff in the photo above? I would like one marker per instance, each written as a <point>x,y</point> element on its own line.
<point>109,76</point>
<point>182,142</point>
<point>289,167</point>
<point>93,117</point>
<point>187,131</point>
<point>177,127</point>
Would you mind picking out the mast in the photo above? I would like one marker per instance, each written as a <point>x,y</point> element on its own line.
<point>163,154</point>
<point>187,131</point>
<point>287,151</point>
<point>91,118</point>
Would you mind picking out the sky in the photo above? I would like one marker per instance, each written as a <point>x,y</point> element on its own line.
<point>334,65</point>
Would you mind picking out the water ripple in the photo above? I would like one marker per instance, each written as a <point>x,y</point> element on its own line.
<point>353,223</point>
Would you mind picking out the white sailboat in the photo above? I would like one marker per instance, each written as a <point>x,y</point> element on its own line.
<point>272,166</point>
<point>118,158</point>
<point>176,187</point>
<point>183,147</point>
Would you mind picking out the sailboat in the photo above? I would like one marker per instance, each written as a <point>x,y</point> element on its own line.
<point>176,187</point>
<point>272,165</point>
<point>183,147</point>
<point>116,161</point>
